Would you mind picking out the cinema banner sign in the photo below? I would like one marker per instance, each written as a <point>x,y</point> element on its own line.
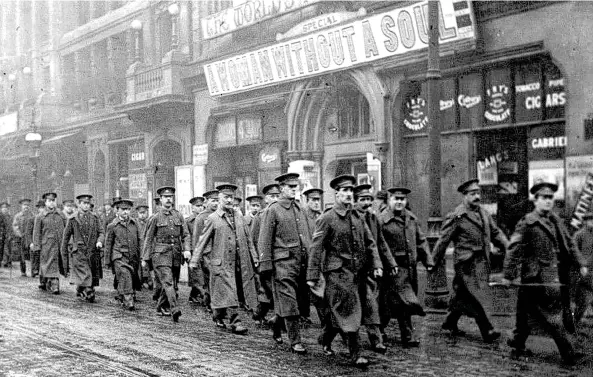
<point>394,33</point>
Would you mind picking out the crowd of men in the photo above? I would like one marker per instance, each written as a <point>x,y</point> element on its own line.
<point>355,263</point>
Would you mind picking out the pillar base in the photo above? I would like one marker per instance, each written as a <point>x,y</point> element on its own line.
<point>437,289</point>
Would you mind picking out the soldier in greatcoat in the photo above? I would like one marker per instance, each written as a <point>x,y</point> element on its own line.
<point>193,281</point>
<point>471,229</point>
<point>225,239</point>
<point>371,297</point>
<point>202,272</point>
<point>542,253</point>
<point>122,252</point>
<point>6,252</point>
<point>18,228</point>
<point>166,245</point>
<point>29,225</point>
<point>283,245</point>
<point>265,297</point>
<point>145,273</point>
<point>343,250</point>
<point>584,291</point>
<point>69,211</point>
<point>47,237</point>
<point>401,229</point>
<point>86,231</point>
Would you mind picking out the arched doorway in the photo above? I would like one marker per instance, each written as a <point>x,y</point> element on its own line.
<point>98,181</point>
<point>166,155</point>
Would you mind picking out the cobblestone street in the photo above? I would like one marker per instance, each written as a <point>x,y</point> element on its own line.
<point>46,335</point>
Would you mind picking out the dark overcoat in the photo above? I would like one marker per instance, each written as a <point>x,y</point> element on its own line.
<point>222,242</point>
<point>123,242</point>
<point>343,249</point>
<point>283,246</point>
<point>47,238</point>
<point>584,243</point>
<point>86,258</point>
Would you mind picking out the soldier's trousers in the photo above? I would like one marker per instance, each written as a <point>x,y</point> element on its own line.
<point>292,324</point>
<point>22,253</point>
<point>583,298</point>
<point>7,252</point>
<point>35,261</point>
<point>168,296</point>
<point>529,306</point>
<point>124,274</point>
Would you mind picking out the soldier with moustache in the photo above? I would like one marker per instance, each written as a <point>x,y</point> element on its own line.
<point>47,236</point>
<point>472,230</point>
<point>265,297</point>
<point>18,228</point>
<point>344,251</point>
<point>122,252</point>
<point>371,296</point>
<point>283,245</point>
<point>226,241</point>
<point>144,272</point>
<point>401,230</point>
<point>29,225</point>
<point>193,281</point>
<point>167,243</point>
<point>84,232</point>
<point>201,273</point>
<point>542,253</point>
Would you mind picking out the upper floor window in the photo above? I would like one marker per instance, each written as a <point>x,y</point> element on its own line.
<point>215,6</point>
<point>353,113</point>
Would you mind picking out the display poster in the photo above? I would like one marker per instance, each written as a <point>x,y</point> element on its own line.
<point>183,189</point>
<point>579,186</point>
<point>138,186</point>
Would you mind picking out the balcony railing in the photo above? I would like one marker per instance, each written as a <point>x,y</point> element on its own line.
<point>145,83</point>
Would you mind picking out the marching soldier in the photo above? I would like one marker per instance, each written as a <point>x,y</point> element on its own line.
<point>226,240</point>
<point>87,235</point>
<point>471,229</point>
<point>584,291</point>
<point>69,211</point>
<point>343,250</point>
<point>254,207</point>
<point>401,229</point>
<point>18,227</point>
<point>122,252</point>
<point>145,276</point>
<point>312,206</point>
<point>202,272</point>
<point>166,237</point>
<point>193,281</point>
<point>264,288</point>
<point>6,252</point>
<point>283,244</point>
<point>372,294</point>
<point>47,234</point>
<point>29,225</point>
<point>543,251</point>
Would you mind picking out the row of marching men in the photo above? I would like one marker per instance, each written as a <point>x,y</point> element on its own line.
<point>358,265</point>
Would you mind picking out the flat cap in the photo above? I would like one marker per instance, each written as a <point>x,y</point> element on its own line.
<point>382,195</point>
<point>288,179</point>
<point>210,194</point>
<point>399,191</point>
<point>343,181</point>
<point>84,197</point>
<point>313,193</point>
<point>543,188</point>
<point>25,200</point>
<point>124,203</point>
<point>254,198</point>
<point>166,191</point>
<point>363,190</point>
<point>196,201</point>
<point>470,185</point>
<point>67,202</point>
<point>40,204</point>
<point>49,195</point>
<point>141,206</point>
<point>227,188</point>
<point>271,188</point>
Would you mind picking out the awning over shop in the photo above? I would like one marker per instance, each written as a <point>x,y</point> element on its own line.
<point>58,137</point>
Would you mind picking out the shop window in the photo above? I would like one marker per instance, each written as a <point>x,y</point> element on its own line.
<point>554,90</point>
<point>498,106</point>
<point>238,130</point>
<point>164,33</point>
<point>528,92</point>
<point>215,6</point>
<point>353,114</point>
<point>415,111</point>
<point>469,100</point>
<point>447,105</point>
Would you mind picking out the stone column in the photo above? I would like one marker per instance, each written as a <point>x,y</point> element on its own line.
<point>54,19</point>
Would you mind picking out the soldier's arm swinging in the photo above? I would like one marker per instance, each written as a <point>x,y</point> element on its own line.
<point>204,244</point>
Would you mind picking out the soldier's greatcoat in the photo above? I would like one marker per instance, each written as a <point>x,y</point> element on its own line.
<point>471,233</point>
<point>224,240</point>
<point>122,251</point>
<point>343,250</point>
<point>47,237</point>
<point>283,244</point>
<point>86,230</point>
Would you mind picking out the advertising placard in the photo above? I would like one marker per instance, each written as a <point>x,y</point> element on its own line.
<point>183,189</point>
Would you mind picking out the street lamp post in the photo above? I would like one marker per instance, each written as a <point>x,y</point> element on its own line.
<point>33,139</point>
<point>436,291</point>
<point>174,12</point>
<point>137,27</point>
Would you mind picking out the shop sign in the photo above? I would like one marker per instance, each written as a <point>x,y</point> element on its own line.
<point>579,184</point>
<point>319,23</point>
<point>246,14</point>
<point>467,102</point>
<point>416,117</point>
<point>249,129</point>
<point>138,186</point>
<point>488,168</point>
<point>391,34</point>
<point>497,103</point>
<point>8,123</point>
<point>547,142</point>
<point>200,154</point>
<point>226,133</point>
<point>136,155</point>
<point>583,204</point>
<point>269,158</point>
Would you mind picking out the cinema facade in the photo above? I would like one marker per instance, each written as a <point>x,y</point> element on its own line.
<point>345,92</point>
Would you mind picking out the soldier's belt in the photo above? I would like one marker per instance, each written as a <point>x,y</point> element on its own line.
<point>168,240</point>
